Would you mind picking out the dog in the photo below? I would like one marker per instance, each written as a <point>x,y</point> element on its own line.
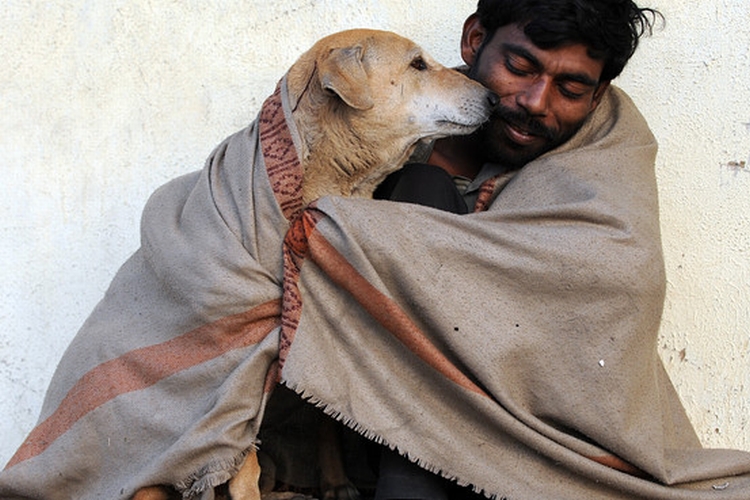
<point>362,100</point>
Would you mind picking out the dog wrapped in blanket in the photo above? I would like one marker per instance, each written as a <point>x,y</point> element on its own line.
<point>163,390</point>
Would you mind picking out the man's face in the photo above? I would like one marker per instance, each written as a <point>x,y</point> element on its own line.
<point>545,95</point>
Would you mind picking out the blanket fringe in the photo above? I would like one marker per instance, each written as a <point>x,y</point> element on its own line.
<point>212,475</point>
<point>376,438</point>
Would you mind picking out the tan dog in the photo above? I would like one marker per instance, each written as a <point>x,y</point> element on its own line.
<point>362,100</point>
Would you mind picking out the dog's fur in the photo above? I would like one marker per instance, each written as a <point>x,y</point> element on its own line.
<point>362,100</point>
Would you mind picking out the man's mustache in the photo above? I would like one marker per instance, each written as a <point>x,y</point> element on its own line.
<point>522,120</point>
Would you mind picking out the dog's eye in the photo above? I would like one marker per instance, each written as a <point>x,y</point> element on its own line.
<point>419,64</point>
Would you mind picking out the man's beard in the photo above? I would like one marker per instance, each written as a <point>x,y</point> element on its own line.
<point>497,148</point>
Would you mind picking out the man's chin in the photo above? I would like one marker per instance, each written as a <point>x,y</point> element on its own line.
<point>511,156</point>
<point>514,162</point>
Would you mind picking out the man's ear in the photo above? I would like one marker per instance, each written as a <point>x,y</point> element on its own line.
<point>598,94</point>
<point>471,39</point>
<point>341,72</point>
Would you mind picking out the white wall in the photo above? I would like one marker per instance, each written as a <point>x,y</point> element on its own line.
<point>101,102</point>
<point>692,82</point>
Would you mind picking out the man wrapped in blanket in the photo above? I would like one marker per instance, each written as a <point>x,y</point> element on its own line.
<point>510,351</point>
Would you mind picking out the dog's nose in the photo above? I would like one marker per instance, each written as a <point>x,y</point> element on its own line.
<point>493,99</point>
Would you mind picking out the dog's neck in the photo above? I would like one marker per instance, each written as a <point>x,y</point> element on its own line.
<point>334,160</point>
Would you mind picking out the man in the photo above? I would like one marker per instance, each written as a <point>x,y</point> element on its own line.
<point>550,62</point>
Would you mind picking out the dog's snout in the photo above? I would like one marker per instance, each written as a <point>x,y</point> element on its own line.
<point>493,99</point>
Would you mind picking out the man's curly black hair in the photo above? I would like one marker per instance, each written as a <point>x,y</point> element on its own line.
<point>609,28</point>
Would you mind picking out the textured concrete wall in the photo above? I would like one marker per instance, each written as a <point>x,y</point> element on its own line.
<point>692,82</point>
<point>101,102</point>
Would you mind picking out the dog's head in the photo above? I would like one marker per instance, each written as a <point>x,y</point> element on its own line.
<point>367,97</point>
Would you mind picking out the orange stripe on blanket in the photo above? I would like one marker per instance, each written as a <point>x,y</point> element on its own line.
<point>295,252</point>
<point>617,463</point>
<point>486,190</point>
<point>384,310</point>
<point>282,163</point>
<point>141,368</point>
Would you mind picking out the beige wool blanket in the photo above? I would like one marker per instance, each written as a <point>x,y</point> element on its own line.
<point>166,381</point>
<point>513,349</point>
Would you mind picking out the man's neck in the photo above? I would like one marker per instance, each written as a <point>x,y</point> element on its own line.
<point>459,156</point>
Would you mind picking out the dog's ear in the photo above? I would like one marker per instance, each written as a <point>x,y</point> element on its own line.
<point>342,72</point>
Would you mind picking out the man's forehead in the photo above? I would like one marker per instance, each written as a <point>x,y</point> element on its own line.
<point>572,57</point>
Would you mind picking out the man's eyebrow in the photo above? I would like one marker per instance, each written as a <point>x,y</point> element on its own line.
<point>522,51</point>
<point>581,78</point>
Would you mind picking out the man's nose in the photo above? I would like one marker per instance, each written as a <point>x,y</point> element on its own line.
<point>535,97</point>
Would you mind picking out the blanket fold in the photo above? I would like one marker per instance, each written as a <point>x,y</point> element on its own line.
<point>512,349</point>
